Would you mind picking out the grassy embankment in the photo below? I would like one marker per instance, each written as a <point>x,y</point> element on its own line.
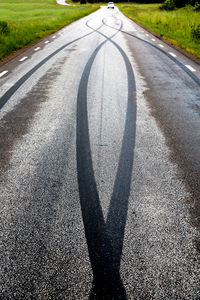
<point>175,26</point>
<point>23,22</point>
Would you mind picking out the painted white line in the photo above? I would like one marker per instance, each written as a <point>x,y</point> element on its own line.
<point>53,37</point>
<point>190,68</point>
<point>3,73</point>
<point>172,54</point>
<point>161,45</point>
<point>46,42</point>
<point>36,49</point>
<point>23,58</point>
<point>147,34</point>
<point>153,40</point>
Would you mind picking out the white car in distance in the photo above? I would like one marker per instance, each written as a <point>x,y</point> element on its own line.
<point>111,5</point>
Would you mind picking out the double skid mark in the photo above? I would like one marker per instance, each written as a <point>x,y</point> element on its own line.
<point>105,239</point>
<point>171,57</point>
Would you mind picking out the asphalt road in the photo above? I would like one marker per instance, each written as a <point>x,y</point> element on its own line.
<point>100,166</point>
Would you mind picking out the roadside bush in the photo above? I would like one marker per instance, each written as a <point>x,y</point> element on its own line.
<point>195,32</point>
<point>4,29</point>
<point>168,5</point>
<point>83,2</point>
<point>172,4</point>
<point>197,6</point>
<point>182,3</point>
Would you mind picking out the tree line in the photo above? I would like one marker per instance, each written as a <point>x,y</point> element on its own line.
<point>167,4</point>
<point>173,4</point>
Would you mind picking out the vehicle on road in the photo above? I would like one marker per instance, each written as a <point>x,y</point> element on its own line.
<point>111,5</point>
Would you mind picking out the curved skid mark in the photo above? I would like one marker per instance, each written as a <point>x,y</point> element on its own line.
<point>182,66</point>
<point>125,163</point>
<point>105,239</point>
<point>19,83</point>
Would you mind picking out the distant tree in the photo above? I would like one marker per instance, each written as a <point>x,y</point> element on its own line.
<point>146,1</point>
<point>168,5</point>
<point>171,4</point>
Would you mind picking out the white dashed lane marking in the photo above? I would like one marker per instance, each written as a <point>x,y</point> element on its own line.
<point>153,40</point>
<point>46,42</point>
<point>172,54</point>
<point>23,58</point>
<point>161,45</point>
<point>3,73</point>
<point>53,37</point>
<point>190,68</point>
<point>36,49</point>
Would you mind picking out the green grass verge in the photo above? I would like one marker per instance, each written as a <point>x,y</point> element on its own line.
<point>29,20</point>
<point>175,26</point>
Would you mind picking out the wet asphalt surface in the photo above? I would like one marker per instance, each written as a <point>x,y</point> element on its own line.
<point>100,166</point>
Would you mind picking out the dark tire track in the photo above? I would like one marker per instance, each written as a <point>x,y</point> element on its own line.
<point>184,68</point>
<point>186,158</point>
<point>105,239</point>
<point>19,83</point>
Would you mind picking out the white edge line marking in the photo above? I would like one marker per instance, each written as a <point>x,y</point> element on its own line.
<point>153,40</point>
<point>23,58</point>
<point>46,42</point>
<point>3,73</point>
<point>53,37</point>
<point>161,45</point>
<point>190,68</point>
<point>172,54</point>
<point>36,49</point>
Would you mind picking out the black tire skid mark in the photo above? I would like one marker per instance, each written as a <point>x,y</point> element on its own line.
<point>105,239</point>
<point>182,66</point>
<point>19,83</point>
